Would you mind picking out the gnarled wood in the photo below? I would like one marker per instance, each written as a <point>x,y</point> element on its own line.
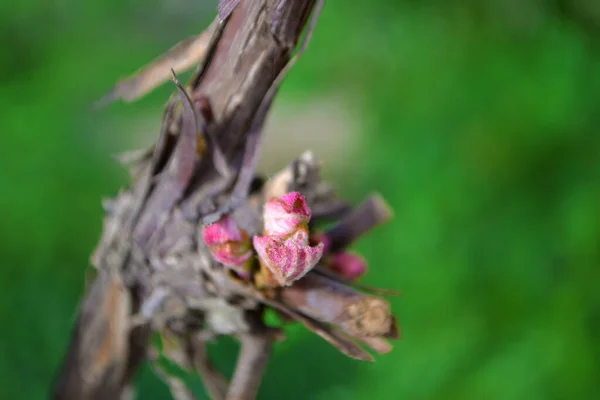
<point>156,274</point>
<point>246,54</point>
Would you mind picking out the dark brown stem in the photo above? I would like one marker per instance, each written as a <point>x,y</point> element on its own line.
<point>254,47</point>
<point>370,213</point>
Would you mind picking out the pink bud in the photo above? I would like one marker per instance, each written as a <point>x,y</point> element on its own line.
<point>320,237</point>
<point>231,254</point>
<point>288,260</point>
<point>229,244</point>
<point>223,231</point>
<point>348,265</point>
<point>283,215</point>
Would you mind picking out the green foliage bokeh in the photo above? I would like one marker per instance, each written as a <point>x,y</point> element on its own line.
<point>481,131</point>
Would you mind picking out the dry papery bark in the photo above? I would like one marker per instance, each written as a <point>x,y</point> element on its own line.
<point>155,277</point>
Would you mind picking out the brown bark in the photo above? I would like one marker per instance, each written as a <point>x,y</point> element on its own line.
<point>254,47</point>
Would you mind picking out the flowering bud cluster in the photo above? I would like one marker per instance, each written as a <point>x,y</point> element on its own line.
<point>286,251</point>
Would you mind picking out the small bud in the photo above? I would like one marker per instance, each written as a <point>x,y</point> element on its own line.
<point>285,214</point>
<point>228,243</point>
<point>349,265</point>
<point>320,237</point>
<point>290,259</point>
<point>223,231</point>
<point>232,255</point>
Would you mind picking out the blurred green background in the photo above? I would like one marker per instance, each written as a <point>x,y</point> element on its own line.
<point>477,120</point>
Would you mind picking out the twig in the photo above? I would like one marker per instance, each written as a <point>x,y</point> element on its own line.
<point>216,385</point>
<point>333,302</point>
<point>252,361</point>
<point>180,58</point>
<point>372,212</point>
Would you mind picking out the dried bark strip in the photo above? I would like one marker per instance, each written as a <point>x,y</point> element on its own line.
<point>181,57</point>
